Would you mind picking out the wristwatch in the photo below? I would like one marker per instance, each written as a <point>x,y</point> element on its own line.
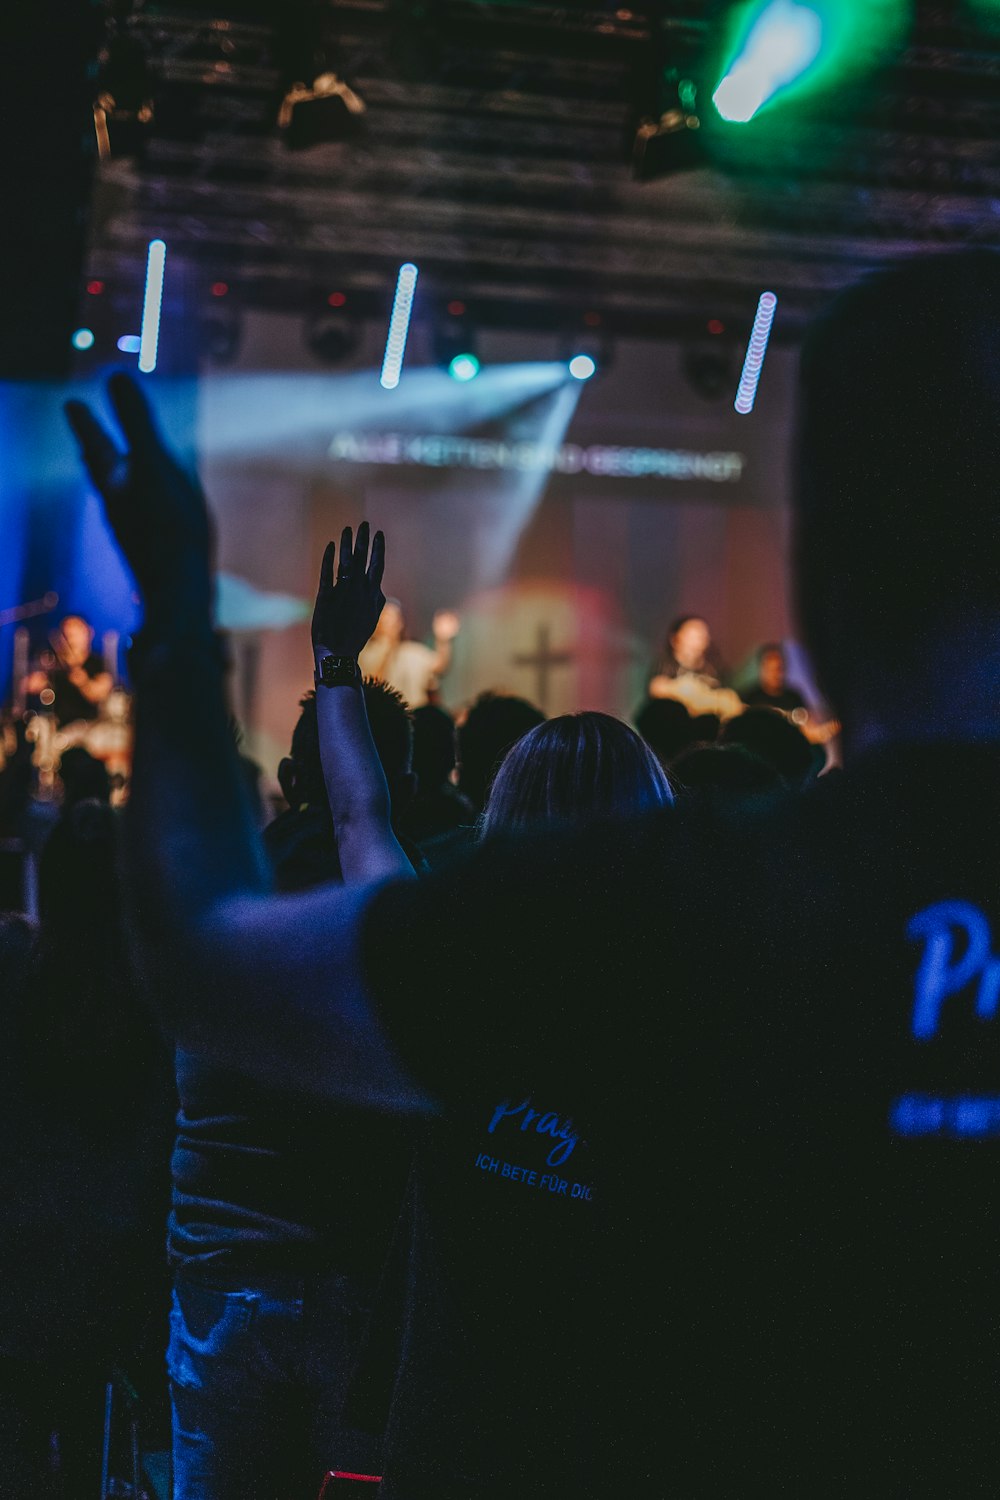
<point>338,671</point>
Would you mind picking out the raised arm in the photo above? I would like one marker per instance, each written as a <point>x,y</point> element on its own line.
<point>445,628</point>
<point>346,613</point>
<point>267,984</point>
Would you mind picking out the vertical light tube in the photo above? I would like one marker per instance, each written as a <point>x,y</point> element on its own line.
<point>150,336</point>
<point>746,392</point>
<point>399,324</point>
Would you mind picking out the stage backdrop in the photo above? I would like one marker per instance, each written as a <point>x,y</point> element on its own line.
<point>567,522</point>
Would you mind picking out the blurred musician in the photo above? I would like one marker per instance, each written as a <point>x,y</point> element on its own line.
<point>689,674</point>
<point>72,680</point>
<point>413,669</point>
<point>772,690</point>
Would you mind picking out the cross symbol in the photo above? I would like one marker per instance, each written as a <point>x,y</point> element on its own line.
<point>543,659</point>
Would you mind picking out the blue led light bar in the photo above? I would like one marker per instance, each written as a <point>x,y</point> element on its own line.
<point>150,336</point>
<point>130,343</point>
<point>399,325</point>
<point>746,392</point>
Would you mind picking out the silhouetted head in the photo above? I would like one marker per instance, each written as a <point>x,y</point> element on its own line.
<point>572,769</point>
<point>898,451</point>
<point>493,723</point>
<point>724,772</point>
<point>434,748</point>
<point>83,777</point>
<point>666,726</point>
<point>300,774</point>
<point>774,739</point>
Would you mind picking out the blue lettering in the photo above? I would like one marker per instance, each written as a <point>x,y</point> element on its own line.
<point>564,1135</point>
<point>503,1110</point>
<point>942,974</point>
<point>967,1116</point>
<point>915,1114</point>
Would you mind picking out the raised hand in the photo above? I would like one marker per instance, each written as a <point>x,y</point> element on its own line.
<point>348,605</point>
<point>156,510</point>
<point>445,625</point>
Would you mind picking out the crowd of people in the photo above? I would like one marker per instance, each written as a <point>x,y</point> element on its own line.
<point>564,1109</point>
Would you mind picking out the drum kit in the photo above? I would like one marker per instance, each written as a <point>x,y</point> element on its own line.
<point>108,738</point>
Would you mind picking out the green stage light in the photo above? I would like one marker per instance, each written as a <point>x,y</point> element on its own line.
<point>778,47</point>
<point>784,41</point>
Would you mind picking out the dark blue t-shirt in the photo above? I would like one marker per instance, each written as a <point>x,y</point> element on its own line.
<point>266,1182</point>
<point>765,1049</point>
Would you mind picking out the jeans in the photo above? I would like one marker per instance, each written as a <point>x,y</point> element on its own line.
<point>258,1380</point>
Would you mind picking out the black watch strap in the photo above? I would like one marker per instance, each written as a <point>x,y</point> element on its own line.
<point>337,671</point>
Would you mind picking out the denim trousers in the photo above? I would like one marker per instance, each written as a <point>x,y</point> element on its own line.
<point>259,1372</point>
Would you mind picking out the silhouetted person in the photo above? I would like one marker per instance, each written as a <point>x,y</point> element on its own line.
<point>88,1105</point>
<point>775,740</point>
<point>574,769</point>
<point>715,1118</point>
<point>301,841</point>
<point>667,728</point>
<point>724,772</point>
<point>438,806</point>
<point>493,723</point>
<point>83,777</point>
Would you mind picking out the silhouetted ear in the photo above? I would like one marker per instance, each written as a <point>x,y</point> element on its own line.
<point>286,779</point>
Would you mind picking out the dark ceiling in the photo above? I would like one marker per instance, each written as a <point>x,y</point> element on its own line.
<point>493,154</point>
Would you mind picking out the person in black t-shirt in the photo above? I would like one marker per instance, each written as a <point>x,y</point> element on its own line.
<point>74,683</point>
<point>699,1217</point>
<point>772,690</point>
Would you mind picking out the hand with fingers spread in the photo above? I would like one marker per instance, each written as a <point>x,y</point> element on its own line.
<point>348,606</point>
<point>156,511</point>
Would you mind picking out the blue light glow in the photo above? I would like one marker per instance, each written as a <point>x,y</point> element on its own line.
<point>150,338</point>
<point>130,343</point>
<point>464,367</point>
<point>83,338</point>
<point>581,367</point>
<point>746,393</point>
<point>784,41</point>
<point>399,325</point>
